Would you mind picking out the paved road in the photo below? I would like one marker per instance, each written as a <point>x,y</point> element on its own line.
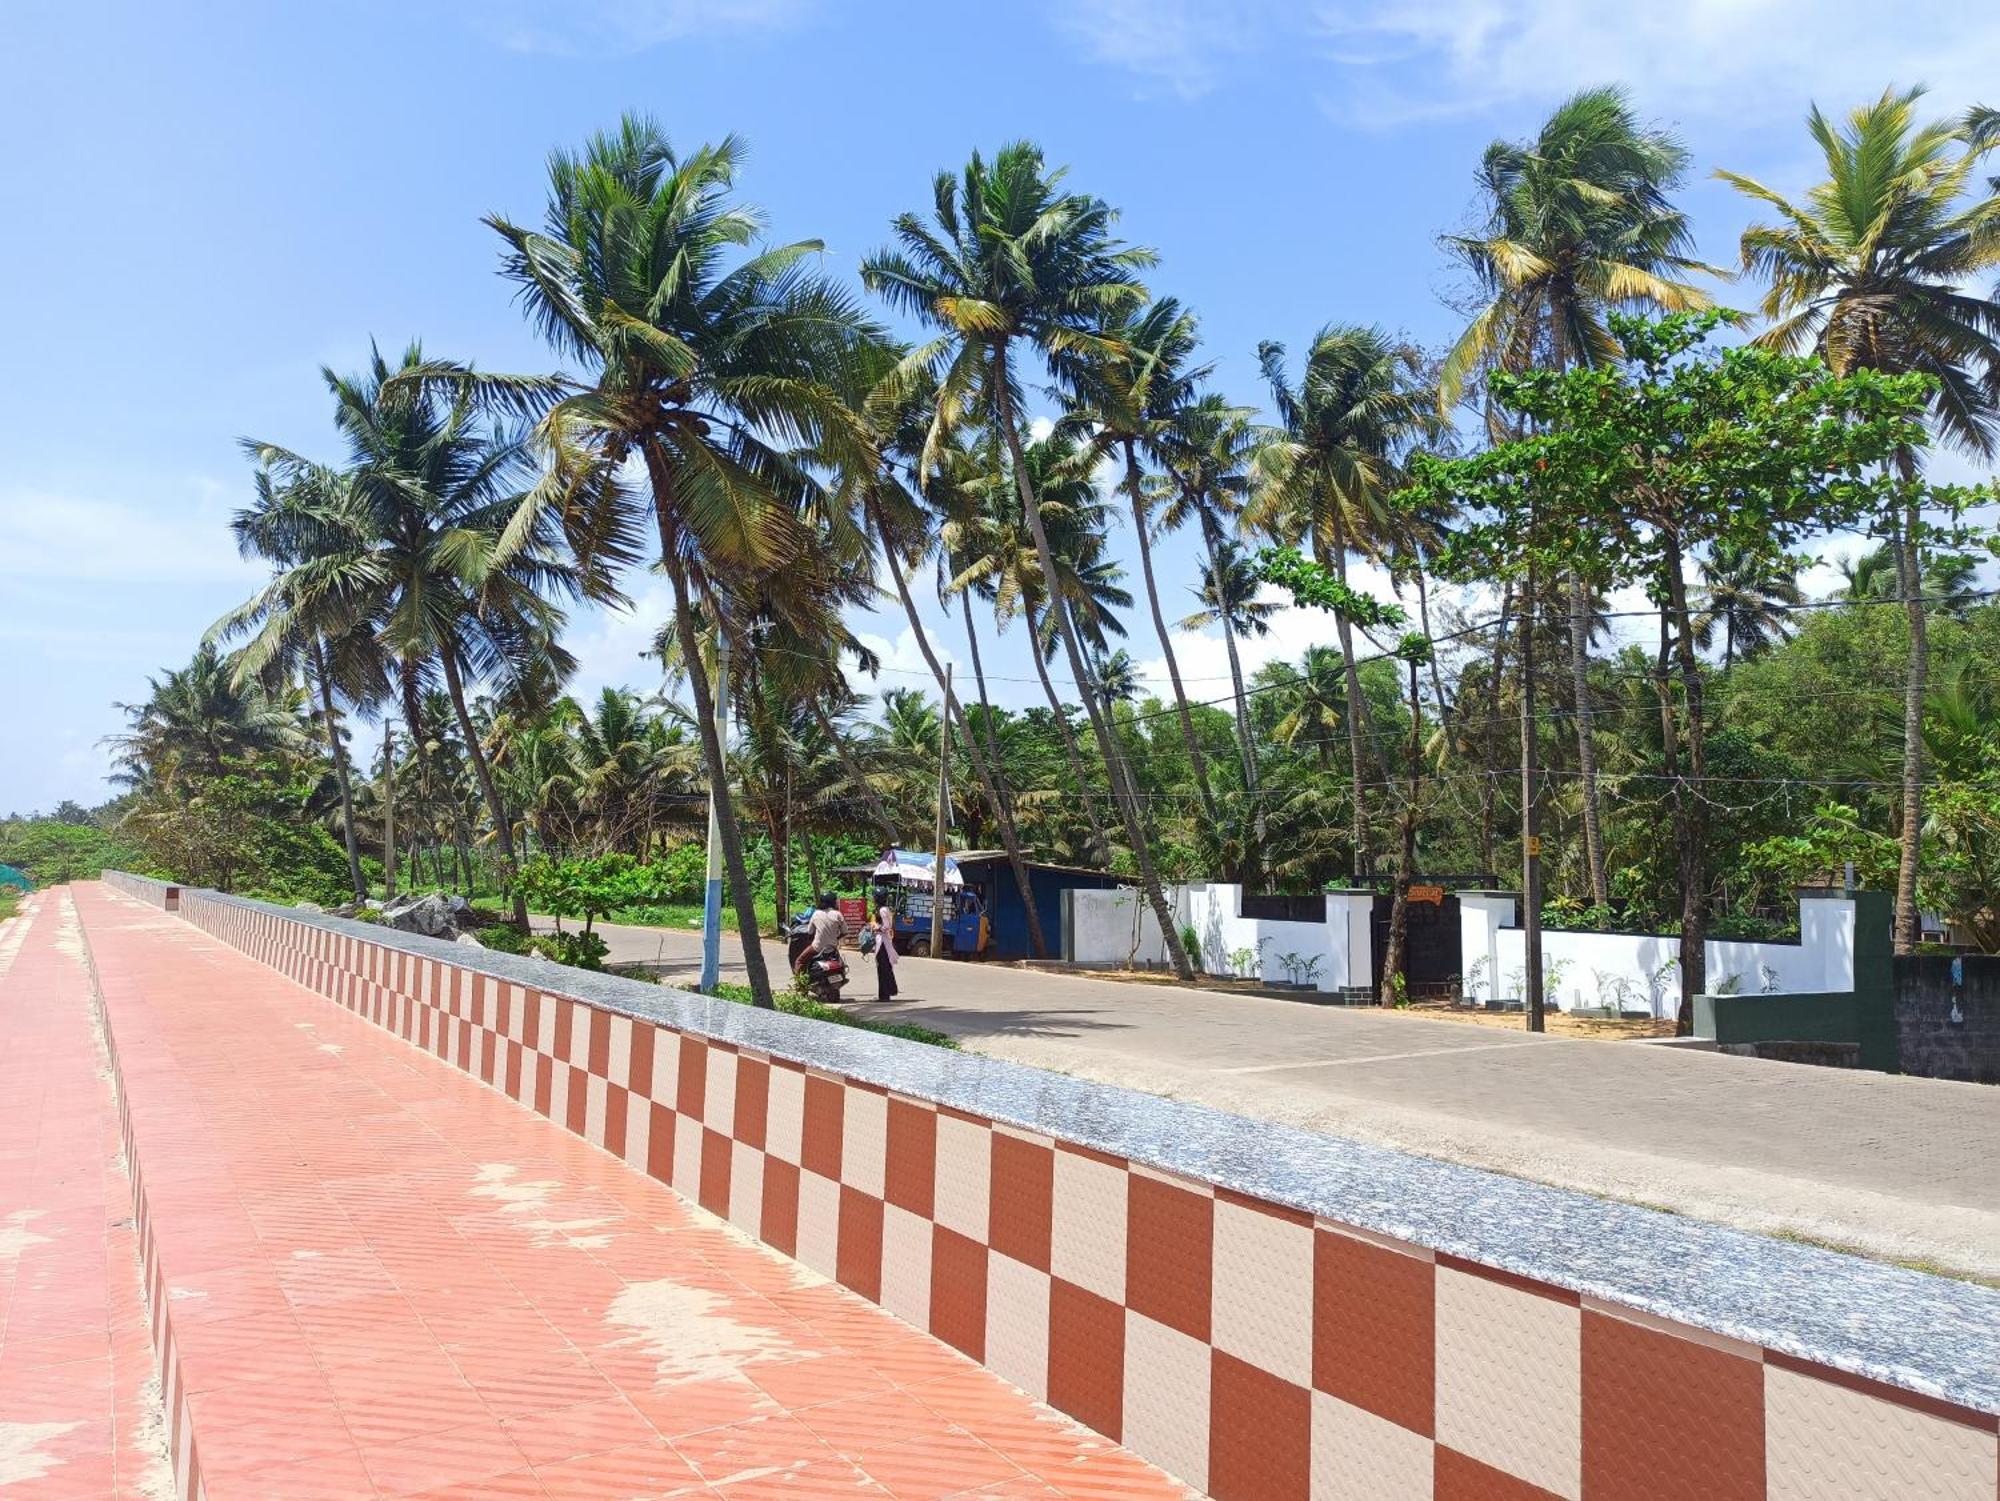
<point>1894,1167</point>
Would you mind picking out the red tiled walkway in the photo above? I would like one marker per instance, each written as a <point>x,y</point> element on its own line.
<point>389,1280</point>
<point>78,1413</point>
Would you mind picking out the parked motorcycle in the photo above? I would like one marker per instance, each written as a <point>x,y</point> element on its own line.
<point>823,975</point>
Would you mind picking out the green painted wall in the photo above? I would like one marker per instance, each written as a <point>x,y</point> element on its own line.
<point>1865,1015</point>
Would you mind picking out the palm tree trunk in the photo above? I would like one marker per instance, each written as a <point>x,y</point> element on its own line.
<point>1333,552</point>
<point>502,826</point>
<point>1010,839</point>
<point>715,762</point>
<point>339,753</point>
<point>986,719</point>
<point>1100,844</point>
<point>979,678</point>
<point>1141,527</point>
<point>781,868</point>
<point>1406,864</point>
<point>1909,559</point>
<point>1586,744</point>
<point>1114,761</point>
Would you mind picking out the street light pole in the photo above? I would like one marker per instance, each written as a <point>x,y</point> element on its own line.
<point>711,902</point>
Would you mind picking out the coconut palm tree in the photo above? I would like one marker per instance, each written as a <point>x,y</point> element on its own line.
<point>1747,595</point>
<point>711,368</point>
<point>194,719</point>
<point>314,611</point>
<point>461,582</point>
<point>1315,704</point>
<point>1880,267</point>
<point>1015,268</point>
<point>1127,403</point>
<point>1228,595</point>
<point>1327,471</point>
<point>1578,224</point>
<point>1117,678</point>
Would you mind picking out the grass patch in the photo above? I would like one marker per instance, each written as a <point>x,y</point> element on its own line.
<point>793,1004</point>
<point>687,915</point>
<point>10,898</point>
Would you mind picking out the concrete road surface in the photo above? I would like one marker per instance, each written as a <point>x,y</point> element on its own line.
<point>1907,1169</point>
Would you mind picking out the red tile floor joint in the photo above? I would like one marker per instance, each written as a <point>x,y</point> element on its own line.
<point>389,1280</point>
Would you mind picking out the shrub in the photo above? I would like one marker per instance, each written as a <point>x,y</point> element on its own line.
<point>504,938</point>
<point>580,950</point>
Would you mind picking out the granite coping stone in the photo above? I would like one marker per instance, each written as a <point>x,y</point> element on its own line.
<point>1924,1333</point>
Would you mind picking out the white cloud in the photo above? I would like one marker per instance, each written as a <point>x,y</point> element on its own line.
<point>46,536</point>
<point>1388,62</point>
<point>583,26</point>
<point>1177,46</point>
<point>1735,59</point>
<point>609,645</point>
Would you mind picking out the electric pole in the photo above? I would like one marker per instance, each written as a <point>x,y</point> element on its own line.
<point>1531,822</point>
<point>388,809</point>
<point>711,902</point>
<point>943,808</point>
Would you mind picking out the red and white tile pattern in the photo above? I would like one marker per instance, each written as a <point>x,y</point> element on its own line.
<point>1251,1351</point>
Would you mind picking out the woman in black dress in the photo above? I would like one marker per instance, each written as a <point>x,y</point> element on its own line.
<point>885,955</point>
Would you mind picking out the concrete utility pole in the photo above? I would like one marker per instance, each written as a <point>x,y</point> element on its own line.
<point>711,901</point>
<point>943,809</point>
<point>388,809</point>
<point>1531,821</point>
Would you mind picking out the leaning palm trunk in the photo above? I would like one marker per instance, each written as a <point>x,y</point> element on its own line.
<point>1141,529</point>
<point>862,787</point>
<point>1100,844</point>
<point>1010,839</point>
<point>1246,743</point>
<point>339,753</point>
<point>716,764</point>
<point>979,679</point>
<point>1586,745</point>
<point>1909,560</point>
<point>502,826</point>
<point>1107,744</point>
<point>1333,553</point>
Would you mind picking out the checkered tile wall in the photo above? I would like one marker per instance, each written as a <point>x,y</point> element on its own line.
<point>1253,1351</point>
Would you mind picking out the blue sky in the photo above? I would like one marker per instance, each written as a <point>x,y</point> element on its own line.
<point>206,203</point>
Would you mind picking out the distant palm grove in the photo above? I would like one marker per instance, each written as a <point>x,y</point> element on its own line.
<point>1594,509</point>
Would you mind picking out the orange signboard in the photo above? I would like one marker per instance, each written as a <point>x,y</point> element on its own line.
<point>1432,894</point>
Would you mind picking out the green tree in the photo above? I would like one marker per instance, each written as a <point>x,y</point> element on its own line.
<point>459,581</point>
<point>1327,472</point>
<point>1746,595</point>
<point>1578,223</point>
<point>712,368</point>
<point>1014,261</point>
<point>1628,470</point>
<point>1876,269</point>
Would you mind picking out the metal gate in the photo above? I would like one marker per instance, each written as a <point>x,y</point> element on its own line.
<point>1431,939</point>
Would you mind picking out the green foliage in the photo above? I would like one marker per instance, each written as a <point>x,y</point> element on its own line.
<point>504,938</point>
<point>591,886</point>
<point>1819,853</point>
<point>241,830</point>
<point>1310,584</point>
<point>794,1004</point>
<point>1676,447</point>
<point>53,850</point>
<point>582,950</point>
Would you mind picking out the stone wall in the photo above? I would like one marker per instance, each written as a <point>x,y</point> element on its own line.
<point>1931,1041</point>
<point>1267,1313</point>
